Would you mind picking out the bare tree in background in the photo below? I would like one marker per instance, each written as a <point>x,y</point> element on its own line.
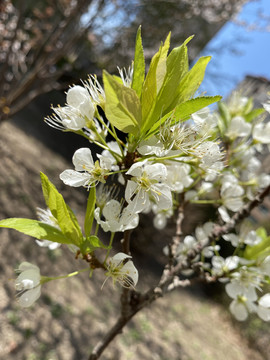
<point>203,18</point>
<point>39,41</point>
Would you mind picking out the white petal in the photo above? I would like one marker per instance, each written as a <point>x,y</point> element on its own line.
<point>75,178</point>
<point>29,297</point>
<point>233,289</point>
<point>165,196</point>
<point>265,301</point>
<point>263,313</point>
<point>82,159</point>
<point>160,221</point>
<point>156,171</point>
<point>238,310</point>
<point>119,257</point>
<point>136,169</point>
<point>75,123</point>
<point>238,127</point>
<point>130,270</point>
<point>27,266</point>
<point>76,94</point>
<point>31,274</point>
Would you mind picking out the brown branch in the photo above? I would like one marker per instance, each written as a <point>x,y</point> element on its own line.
<point>169,280</point>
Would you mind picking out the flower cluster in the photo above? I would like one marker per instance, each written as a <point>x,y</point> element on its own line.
<point>161,149</point>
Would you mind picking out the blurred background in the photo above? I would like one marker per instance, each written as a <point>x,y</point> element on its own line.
<point>48,45</point>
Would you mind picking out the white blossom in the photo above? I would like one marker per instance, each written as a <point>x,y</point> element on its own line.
<point>178,177</point>
<point>261,133</point>
<point>231,193</point>
<point>74,115</point>
<point>237,103</point>
<point>161,216</point>
<point>116,217</point>
<point>95,90</point>
<point>147,185</point>
<point>222,266</point>
<point>47,217</point>
<point>238,127</point>
<point>86,173</point>
<point>263,309</point>
<point>28,284</point>
<point>121,269</point>
<point>246,236</point>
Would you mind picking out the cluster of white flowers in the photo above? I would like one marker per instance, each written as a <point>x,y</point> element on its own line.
<point>162,162</point>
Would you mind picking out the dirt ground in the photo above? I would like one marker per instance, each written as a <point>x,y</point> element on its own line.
<point>72,315</point>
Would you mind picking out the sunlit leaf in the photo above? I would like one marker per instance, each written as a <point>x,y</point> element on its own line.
<point>36,228</point>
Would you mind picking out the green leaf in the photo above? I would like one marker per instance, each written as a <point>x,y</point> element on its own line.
<point>183,111</point>
<point>89,216</point>
<point>224,118</point>
<point>63,214</point>
<point>253,114</point>
<point>91,244</point>
<point>139,65</point>
<point>153,82</point>
<point>177,67</point>
<point>260,251</point>
<point>192,80</point>
<point>122,105</point>
<point>162,63</point>
<point>149,90</point>
<point>37,229</point>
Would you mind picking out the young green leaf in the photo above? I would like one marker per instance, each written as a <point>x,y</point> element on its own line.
<point>176,68</point>
<point>183,111</point>
<point>91,244</point>
<point>63,214</point>
<point>253,114</point>
<point>37,229</point>
<point>192,80</point>
<point>153,82</point>
<point>122,106</point>
<point>261,250</point>
<point>139,65</point>
<point>89,216</point>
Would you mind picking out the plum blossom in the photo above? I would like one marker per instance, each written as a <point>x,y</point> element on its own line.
<point>231,193</point>
<point>222,266</point>
<point>238,127</point>
<point>263,309</point>
<point>246,236</point>
<point>116,217</point>
<point>237,103</point>
<point>178,177</point>
<point>79,109</point>
<point>160,218</point>
<point>210,157</point>
<point>261,133</point>
<point>95,90</point>
<point>121,269</point>
<point>28,284</point>
<point>86,173</point>
<point>47,217</point>
<point>147,185</point>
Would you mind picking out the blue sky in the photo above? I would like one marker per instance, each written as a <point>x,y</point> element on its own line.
<point>240,52</point>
